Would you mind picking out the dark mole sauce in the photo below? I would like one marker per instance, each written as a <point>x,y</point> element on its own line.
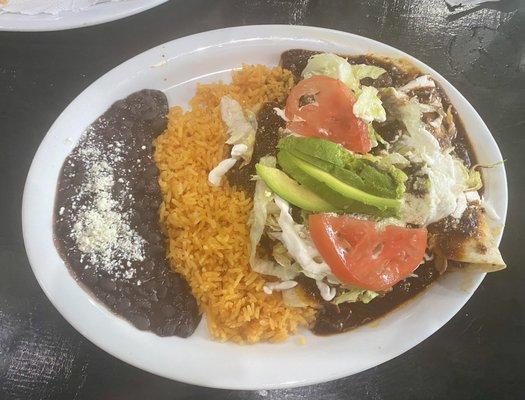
<point>266,139</point>
<point>396,75</point>
<point>335,319</point>
<point>295,60</point>
<point>449,234</point>
<point>143,291</point>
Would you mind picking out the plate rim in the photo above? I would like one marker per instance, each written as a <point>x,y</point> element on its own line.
<point>208,35</point>
<point>71,20</point>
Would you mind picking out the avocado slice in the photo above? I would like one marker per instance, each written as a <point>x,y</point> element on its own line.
<point>286,162</point>
<point>342,203</point>
<point>339,201</point>
<point>358,172</point>
<point>343,188</point>
<point>291,191</point>
<point>321,149</point>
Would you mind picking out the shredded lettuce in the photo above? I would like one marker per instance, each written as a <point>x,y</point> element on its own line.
<point>393,163</point>
<point>368,105</point>
<point>372,135</point>
<point>333,66</point>
<point>474,181</point>
<point>297,242</point>
<point>262,201</point>
<point>336,67</point>
<point>386,160</point>
<point>421,82</point>
<point>376,138</point>
<point>281,255</point>
<point>241,129</point>
<point>492,165</point>
<point>419,138</point>
<point>362,71</point>
<point>355,295</point>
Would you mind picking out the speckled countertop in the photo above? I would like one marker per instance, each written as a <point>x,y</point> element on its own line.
<point>478,355</point>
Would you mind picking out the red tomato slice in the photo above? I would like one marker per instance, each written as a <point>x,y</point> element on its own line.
<point>360,254</point>
<point>329,115</point>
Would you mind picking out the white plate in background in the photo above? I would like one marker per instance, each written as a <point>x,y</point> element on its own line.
<point>175,67</point>
<point>97,14</point>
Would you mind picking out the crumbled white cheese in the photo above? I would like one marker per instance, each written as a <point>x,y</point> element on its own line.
<point>101,228</point>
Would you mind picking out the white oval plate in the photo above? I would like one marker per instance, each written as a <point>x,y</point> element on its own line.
<point>175,68</point>
<point>97,14</point>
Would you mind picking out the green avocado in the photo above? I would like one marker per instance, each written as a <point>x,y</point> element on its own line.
<point>359,172</point>
<point>341,203</point>
<point>342,188</point>
<point>291,191</point>
<point>286,162</point>
<point>319,152</point>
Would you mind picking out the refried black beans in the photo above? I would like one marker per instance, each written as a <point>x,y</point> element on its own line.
<point>107,226</point>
